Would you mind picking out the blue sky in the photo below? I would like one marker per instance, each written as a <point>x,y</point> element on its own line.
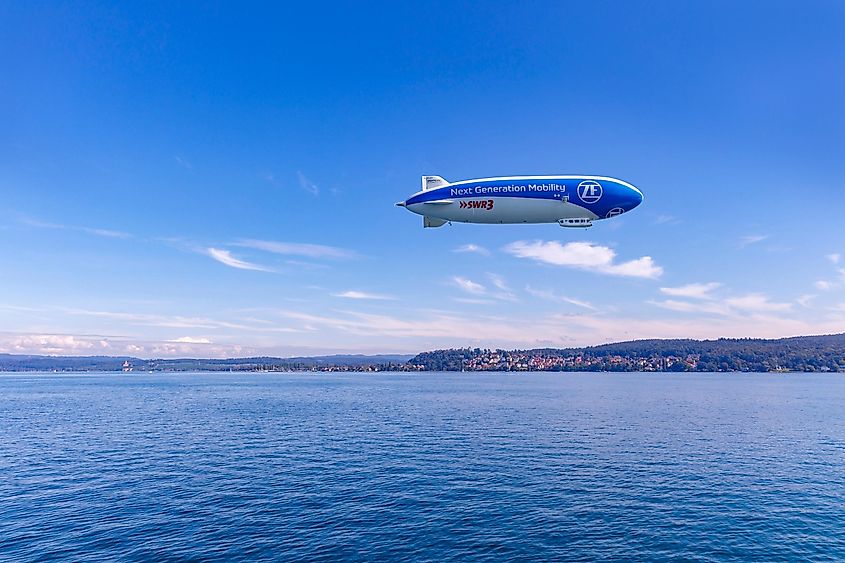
<point>219,180</point>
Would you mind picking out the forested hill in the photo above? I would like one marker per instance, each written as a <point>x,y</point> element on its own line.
<point>801,353</point>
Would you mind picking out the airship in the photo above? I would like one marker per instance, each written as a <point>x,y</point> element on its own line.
<point>569,201</point>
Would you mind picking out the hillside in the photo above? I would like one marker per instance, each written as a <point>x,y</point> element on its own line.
<point>802,353</point>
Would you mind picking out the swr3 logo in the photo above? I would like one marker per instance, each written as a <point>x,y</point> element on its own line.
<point>486,204</point>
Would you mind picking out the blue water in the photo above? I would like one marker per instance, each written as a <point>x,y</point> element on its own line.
<point>423,467</point>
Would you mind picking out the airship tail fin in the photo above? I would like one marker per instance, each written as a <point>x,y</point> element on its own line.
<point>433,221</point>
<point>432,182</point>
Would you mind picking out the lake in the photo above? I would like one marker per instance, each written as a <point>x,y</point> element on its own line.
<point>422,467</point>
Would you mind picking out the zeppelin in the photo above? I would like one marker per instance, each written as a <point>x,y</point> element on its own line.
<point>569,201</point>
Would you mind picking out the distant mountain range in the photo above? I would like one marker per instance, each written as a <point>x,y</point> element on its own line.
<point>824,353</point>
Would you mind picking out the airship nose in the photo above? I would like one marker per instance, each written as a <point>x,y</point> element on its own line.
<point>636,197</point>
<point>400,204</point>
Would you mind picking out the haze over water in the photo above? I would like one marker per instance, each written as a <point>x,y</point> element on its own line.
<point>422,467</point>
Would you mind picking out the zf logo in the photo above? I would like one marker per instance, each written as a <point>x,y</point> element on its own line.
<point>589,191</point>
<point>486,204</point>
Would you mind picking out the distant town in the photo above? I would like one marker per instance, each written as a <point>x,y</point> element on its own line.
<point>799,354</point>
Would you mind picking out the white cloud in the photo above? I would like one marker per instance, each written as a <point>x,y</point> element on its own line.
<point>585,256</point>
<point>89,344</point>
<point>550,295</point>
<point>225,257</point>
<point>473,248</point>
<point>190,340</point>
<point>692,290</point>
<point>579,303</point>
<point>751,239</point>
<point>308,185</point>
<point>468,285</point>
<point>297,249</point>
<point>50,344</point>
<point>352,294</point>
<point>826,285</point>
<point>834,257</point>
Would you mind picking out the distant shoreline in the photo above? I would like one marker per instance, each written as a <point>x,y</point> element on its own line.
<point>805,354</point>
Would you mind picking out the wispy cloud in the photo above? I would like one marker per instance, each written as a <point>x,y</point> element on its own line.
<point>183,162</point>
<point>225,257</point>
<point>834,257</point>
<point>156,320</point>
<point>504,292</point>
<point>472,300</point>
<point>500,290</point>
<point>805,300</point>
<point>498,282</point>
<point>551,295</point>
<point>433,329</point>
<point>109,233</point>
<point>744,304</point>
<point>823,285</point>
<point>308,185</point>
<point>751,239</point>
<point>104,232</point>
<point>352,294</point>
<point>666,220</point>
<point>342,330</point>
<point>472,248</point>
<point>584,256</point>
<point>708,307</point>
<point>692,290</point>
<point>468,285</point>
<point>756,303</point>
<point>297,249</point>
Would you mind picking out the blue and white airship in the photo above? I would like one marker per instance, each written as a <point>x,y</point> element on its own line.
<point>569,201</point>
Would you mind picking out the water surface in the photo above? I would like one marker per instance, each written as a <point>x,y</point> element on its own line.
<point>424,467</point>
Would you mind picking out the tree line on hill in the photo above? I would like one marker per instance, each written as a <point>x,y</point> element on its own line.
<point>803,353</point>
